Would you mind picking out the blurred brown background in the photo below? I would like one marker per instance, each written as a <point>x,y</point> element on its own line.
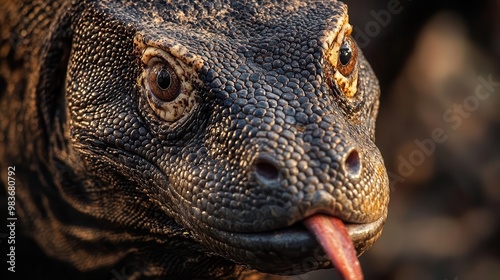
<point>439,132</point>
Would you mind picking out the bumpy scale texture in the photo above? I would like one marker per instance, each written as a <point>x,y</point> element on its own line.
<point>262,135</point>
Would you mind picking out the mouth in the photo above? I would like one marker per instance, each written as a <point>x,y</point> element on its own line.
<point>290,250</point>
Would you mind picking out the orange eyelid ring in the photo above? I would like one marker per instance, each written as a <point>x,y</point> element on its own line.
<point>169,84</point>
<point>333,51</point>
<point>343,57</point>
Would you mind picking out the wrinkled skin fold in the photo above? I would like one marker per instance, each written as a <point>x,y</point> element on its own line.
<point>188,139</point>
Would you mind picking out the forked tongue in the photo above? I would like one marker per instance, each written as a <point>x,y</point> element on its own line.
<point>333,237</point>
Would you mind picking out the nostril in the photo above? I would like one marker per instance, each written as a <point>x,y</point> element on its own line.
<point>266,170</point>
<point>352,163</point>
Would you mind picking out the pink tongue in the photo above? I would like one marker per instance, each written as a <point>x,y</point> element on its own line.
<point>333,237</point>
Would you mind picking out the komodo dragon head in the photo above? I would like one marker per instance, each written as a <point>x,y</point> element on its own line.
<point>190,136</point>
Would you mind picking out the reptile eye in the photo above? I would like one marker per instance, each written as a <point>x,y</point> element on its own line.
<point>164,83</point>
<point>348,55</point>
<point>163,79</point>
<point>342,76</point>
<point>169,84</point>
<point>345,54</point>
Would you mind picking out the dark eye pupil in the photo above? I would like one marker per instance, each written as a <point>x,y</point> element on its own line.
<point>345,54</point>
<point>163,79</point>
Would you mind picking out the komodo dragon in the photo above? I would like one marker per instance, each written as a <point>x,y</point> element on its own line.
<point>189,139</point>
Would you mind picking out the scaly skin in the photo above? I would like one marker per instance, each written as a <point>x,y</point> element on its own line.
<point>266,132</point>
